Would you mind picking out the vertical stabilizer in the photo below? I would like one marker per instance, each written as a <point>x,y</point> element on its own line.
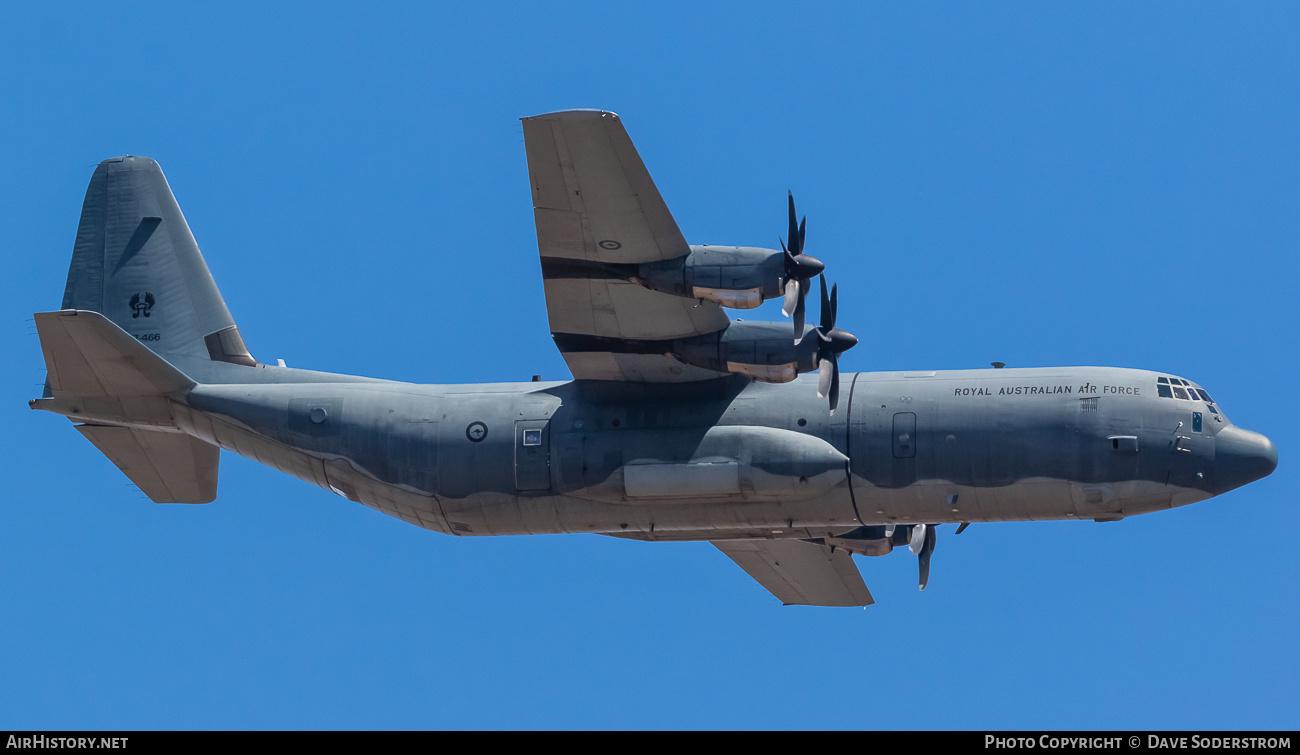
<point>136,262</point>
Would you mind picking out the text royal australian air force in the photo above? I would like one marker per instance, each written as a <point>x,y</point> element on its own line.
<point>1048,389</point>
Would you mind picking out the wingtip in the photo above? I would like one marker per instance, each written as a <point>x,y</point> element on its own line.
<point>574,114</point>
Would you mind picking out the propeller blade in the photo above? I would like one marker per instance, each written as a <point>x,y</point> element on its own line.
<point>828,319</point>
<point>835,383</point>
<point>792,300</point>
<point>923,560</point>
<point>834,303</point>
<point>826,368</point>
<point>796,241</point>
<point>798,314</point>
<point>918,539</point>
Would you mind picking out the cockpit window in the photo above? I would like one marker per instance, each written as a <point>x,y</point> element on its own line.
<point>1172,387</point>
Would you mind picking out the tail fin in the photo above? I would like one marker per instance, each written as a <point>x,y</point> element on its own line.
<point>136,262</point>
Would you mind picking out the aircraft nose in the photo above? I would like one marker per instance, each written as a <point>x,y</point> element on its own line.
<point>1241,456</point>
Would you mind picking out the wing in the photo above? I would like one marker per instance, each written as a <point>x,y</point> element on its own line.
<point>800,573</point>
<point>595,206</point>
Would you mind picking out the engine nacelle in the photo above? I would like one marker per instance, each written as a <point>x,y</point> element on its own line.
<point>762,350</point>
<point>864,541</point>
<point>739,277</point>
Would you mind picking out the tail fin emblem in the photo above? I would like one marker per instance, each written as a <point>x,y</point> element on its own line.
<point>141,304</point>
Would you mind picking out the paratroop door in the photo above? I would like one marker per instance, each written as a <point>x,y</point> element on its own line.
<point>532,455</point>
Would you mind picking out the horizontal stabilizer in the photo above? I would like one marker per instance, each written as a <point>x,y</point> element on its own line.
<point>100,374</point>
<point>168,467</point>
<point>89,356</point>
<point>800,573</point>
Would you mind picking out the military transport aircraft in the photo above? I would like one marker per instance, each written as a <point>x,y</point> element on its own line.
<point>680,423</point>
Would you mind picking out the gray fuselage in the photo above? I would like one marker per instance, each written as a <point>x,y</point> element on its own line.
<point>736,458</point>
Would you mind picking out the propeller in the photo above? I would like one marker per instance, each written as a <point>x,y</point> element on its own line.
<point>799,270</point>
<point>831,343</point>
<point>922,544</point>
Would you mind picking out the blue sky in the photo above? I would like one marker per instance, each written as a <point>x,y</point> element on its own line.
<point>1041,184</point>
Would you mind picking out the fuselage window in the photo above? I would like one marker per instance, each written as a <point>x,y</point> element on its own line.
<point>1196,422</point>
<point>1162,380</point>
<point>1163,390</point>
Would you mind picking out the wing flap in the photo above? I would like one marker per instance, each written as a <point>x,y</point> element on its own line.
<point>617,309</point>
<point>800,573</point>
<point>634,368</point>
